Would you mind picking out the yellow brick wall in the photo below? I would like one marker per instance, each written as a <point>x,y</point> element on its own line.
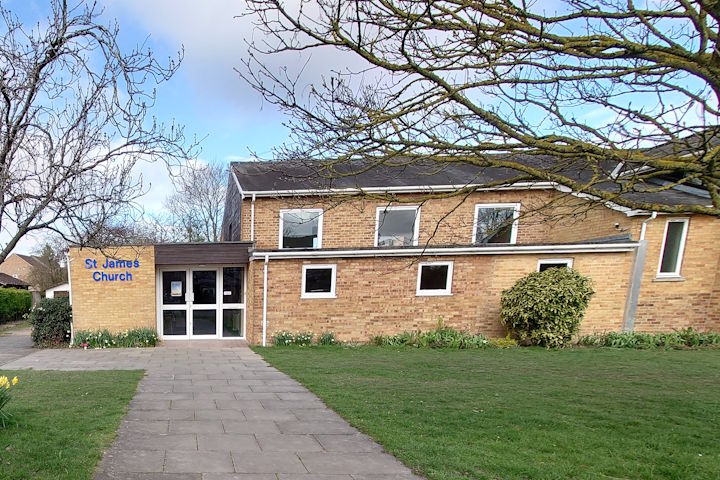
<point>350,223</point>
<point>378,295</point>
<point>115,305</point>
<point>667,305</point>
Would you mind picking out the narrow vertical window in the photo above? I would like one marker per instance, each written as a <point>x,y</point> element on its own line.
<point>673,246</point>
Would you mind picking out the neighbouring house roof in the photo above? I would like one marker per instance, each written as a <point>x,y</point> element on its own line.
<point>277,178</point>
<point>32,260</point>
<point>10,281</point>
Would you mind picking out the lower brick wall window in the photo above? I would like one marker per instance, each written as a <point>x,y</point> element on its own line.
<point>434,278</point>
<point>546,263</point>
<point>318,281</point>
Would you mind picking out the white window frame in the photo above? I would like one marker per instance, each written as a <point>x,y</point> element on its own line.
<point>681,250</point>
<point>333,281</point>
<point>416,232</point>
<point>516,216</point>
<point>555,261</point>
<point>447,291</point>
<point>283,211</point>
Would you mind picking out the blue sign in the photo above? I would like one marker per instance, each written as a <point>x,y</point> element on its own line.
<point>101,275</point>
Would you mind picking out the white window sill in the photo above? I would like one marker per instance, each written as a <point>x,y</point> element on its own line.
<point>321,295</point>
<point>674,278</point>
<point>433,294</point>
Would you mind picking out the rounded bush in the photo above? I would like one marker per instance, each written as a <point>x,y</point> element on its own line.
<point>546,308</point>
<point>50,321</point>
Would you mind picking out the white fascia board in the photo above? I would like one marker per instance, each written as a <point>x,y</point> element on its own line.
<point>403,189</point>
<point>442,189</point>
<point>611,205</point>
<point>237,183</point>
<point>440,251</point>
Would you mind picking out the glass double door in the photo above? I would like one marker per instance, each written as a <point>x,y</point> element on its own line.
<point>203,303</point>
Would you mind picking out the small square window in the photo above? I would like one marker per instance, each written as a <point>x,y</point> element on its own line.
<point>434,278</point>
<point>301,228</point>
<point>547,263</point>
<point>318,281</point>
<point>397,226</point>
<point>673,247</point>
<point>496,223</point>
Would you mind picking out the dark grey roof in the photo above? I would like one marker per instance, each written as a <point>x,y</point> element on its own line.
<point>310,175</point>
<point>265,176</point>
<point>10,281</point>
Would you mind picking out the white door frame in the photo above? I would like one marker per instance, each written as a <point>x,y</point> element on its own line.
<point>189,306</point>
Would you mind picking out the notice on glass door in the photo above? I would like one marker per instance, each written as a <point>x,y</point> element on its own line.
<point>175,289</point>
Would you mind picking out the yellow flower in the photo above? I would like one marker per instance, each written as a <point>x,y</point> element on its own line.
<point>15,381</point>
<point>3,381</point>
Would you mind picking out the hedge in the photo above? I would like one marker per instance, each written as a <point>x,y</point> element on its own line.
<point>14,304</point>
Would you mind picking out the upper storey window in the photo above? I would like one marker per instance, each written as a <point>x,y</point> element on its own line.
<point>673,247</point>
<point>301,228</point>
<point>496,223</point>
<point>397,226</point>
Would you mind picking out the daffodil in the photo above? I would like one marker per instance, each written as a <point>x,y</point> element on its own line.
<point>15,381</point>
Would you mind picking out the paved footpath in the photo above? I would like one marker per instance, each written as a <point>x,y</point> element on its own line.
<point>14,345</point>
<point>213,411</point>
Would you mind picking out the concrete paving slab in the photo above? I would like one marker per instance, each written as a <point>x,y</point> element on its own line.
<point>318,427</point>
<point>228,441</point>
<point>270,442</point>
<point>351,463</point>
<point>356,443</point>
<point>179,461</point>
<point>267,462</point>
<point>196,426</point>
<point>250,426</point>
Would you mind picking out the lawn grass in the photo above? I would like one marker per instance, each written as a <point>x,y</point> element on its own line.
<point>526,412</point>
<point>62,421</point>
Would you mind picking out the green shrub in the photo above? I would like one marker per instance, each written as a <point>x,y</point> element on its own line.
<point>303,339</point>
<point>50,321</point>
<point>137,337</point>
<point>283,338</point>
<point>546,308</point>
<point>440,337</point>
<point>327,338</point>
<point>14,304</point>
<point>688,338</point>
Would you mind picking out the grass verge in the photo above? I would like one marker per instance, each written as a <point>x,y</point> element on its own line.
<point>62,422</point>
<point>525,413</point>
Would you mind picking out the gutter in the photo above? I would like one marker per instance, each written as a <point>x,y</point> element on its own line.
<point>252,218</point>
<point>399,189</point>
<point>636,273</point>
<point>411,252</point>
<point>67,265</point>
<point>644,225</point>
<point>265,294</point>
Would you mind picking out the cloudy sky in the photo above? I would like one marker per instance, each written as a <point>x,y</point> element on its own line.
<point>206,95</point>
